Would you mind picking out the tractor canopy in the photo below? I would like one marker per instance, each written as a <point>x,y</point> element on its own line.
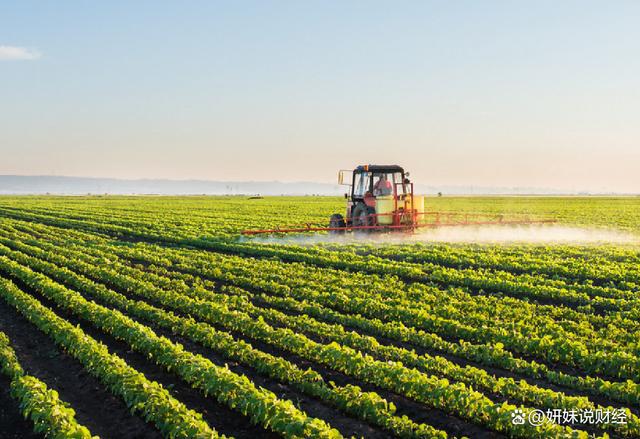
<point>379,169</point>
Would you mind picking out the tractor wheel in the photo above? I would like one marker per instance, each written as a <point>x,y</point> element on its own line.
<point>362,216</point>
<point>337,220</point>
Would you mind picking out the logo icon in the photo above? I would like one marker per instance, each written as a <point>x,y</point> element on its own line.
<point>517,417</point>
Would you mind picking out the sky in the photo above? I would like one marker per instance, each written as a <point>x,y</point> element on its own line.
<point>497,94</point>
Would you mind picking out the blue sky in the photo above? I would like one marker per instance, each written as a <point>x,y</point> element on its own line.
<point>543,94</point>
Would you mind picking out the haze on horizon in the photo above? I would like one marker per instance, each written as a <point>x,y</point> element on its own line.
<point>519,94</point>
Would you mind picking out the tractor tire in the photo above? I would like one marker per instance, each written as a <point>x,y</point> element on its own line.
<point>362,216</point>
<point>337,220</point>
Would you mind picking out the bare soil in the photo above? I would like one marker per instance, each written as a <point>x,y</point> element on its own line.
<point>96,408</point>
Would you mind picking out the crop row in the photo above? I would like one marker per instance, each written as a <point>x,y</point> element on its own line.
<point>439,273</point>
<point>473,310</point>
<point>369,264</point>
<point>236,391</point>
<point>611,276</point>
<point>556,347</point>
<point>540,317</point>
<point>367,405</point>
<point>497,282</point>
<point>51,416</point>
<point>486,354</point>
<point>457,398</point>
<point>479,262</point>
<point>147,398</point>
<point>301,321</point>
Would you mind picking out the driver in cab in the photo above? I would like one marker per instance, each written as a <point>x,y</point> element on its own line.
<point>382,186</point>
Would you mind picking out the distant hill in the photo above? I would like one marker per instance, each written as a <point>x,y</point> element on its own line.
<point>14,184</point>
<point>17,184</point>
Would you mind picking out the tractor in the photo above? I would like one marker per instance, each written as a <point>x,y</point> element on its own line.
<point>380,197</point>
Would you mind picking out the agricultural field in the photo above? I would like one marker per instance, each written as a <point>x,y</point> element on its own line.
<point>145,317</point>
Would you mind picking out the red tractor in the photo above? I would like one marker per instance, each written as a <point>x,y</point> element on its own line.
<point>381,197</point>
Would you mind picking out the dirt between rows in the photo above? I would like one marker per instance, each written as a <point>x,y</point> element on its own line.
<point>416,411</point>
<point>96,408</point>
<point>413,409</point>
<point>217,415</point>
<point>12,424</point>
<point>462,362</point>
<point>347,425</point>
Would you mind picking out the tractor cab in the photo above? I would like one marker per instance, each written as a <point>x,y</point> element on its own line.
<point>371,181</point>
<point>376,193</point>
